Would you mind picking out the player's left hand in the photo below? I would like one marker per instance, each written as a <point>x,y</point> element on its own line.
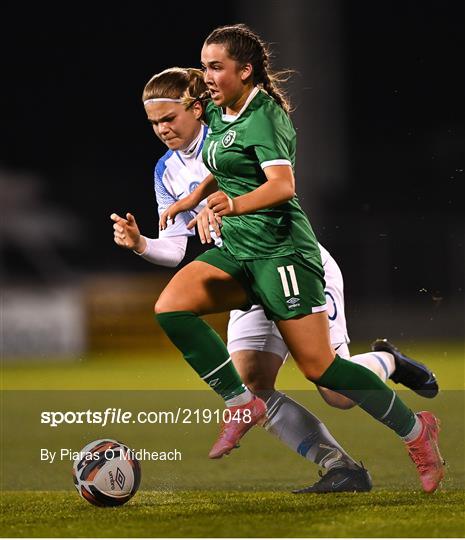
<point>169,214</point>
<point>221,204</point>
<point>206,220</point>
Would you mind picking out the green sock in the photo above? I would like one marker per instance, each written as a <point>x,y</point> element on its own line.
<point>204,350</point>
<point>365,388</point>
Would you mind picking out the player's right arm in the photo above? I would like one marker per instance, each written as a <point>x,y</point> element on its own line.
<point>126,233</point>
<point>161,251</point>
<point>169,248</point>
<point>201,192</point>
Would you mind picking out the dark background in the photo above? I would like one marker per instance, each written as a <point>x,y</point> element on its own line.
<point>379,111</point>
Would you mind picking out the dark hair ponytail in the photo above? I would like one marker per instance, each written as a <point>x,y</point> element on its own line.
<point>246,47</point>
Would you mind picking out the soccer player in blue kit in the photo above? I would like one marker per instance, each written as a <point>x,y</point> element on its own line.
<point>256,346</point>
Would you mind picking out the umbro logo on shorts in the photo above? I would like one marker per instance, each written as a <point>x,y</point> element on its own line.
<point>293,302</point>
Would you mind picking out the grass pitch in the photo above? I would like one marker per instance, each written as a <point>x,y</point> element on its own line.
<point>244,495</point>
<point>238,514</point>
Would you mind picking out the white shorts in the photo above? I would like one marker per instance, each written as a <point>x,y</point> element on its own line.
<point>251,330</point>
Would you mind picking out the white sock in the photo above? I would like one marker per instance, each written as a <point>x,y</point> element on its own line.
<point>415,432</point>
<point>241,399</point>
<point>380,363</point>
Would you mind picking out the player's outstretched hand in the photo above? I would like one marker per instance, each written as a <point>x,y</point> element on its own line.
<point>206,220</point>
<point>126,233</point>
<point>221,204</point>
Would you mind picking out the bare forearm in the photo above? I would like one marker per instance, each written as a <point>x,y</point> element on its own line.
<point>191,201</point>
<point>204,189</point>
<point>278,189</point>
<point>268,195</point>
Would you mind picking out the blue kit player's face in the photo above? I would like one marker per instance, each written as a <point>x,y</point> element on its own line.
<point>173,124</point>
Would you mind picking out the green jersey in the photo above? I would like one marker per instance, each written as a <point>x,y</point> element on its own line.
<point>236,151</point>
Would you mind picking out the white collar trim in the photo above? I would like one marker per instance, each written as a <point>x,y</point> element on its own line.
<point>232,117</point>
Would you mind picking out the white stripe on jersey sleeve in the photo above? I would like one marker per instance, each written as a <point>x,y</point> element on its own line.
<point>275,162</point>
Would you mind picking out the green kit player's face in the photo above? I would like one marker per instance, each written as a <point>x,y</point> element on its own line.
<point>173,124</point>
<point>229,83</point>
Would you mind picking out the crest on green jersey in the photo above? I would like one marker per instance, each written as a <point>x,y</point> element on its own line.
<point>229,138</point>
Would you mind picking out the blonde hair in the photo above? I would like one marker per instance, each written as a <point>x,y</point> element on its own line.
<point>186,84</point>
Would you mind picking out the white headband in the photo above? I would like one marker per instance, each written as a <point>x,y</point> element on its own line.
<point>156,100</point>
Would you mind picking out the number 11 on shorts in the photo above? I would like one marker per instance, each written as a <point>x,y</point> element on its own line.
<point>285,281</point>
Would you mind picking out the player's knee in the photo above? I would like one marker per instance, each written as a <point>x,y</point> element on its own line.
<point>313,371</point>
<point>162,305</point>
<point>260,387</point>
<point>258,381</point>
<point>314,365</point>
<point>258,370</point>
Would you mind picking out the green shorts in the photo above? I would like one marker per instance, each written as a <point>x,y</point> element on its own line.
<point>285,287</point>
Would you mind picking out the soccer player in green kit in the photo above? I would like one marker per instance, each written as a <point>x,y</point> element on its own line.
<point>269,257</point>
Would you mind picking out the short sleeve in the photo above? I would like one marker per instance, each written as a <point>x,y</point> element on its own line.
<point>272,136</point>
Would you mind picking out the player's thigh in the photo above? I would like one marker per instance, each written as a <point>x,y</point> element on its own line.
<point>308,341</point>
<point>291,290</point>
<point>258,369</point>
<point>288,286</point>
<point>201,288</point>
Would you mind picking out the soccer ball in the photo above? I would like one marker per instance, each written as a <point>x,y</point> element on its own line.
<point>106,473</point>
